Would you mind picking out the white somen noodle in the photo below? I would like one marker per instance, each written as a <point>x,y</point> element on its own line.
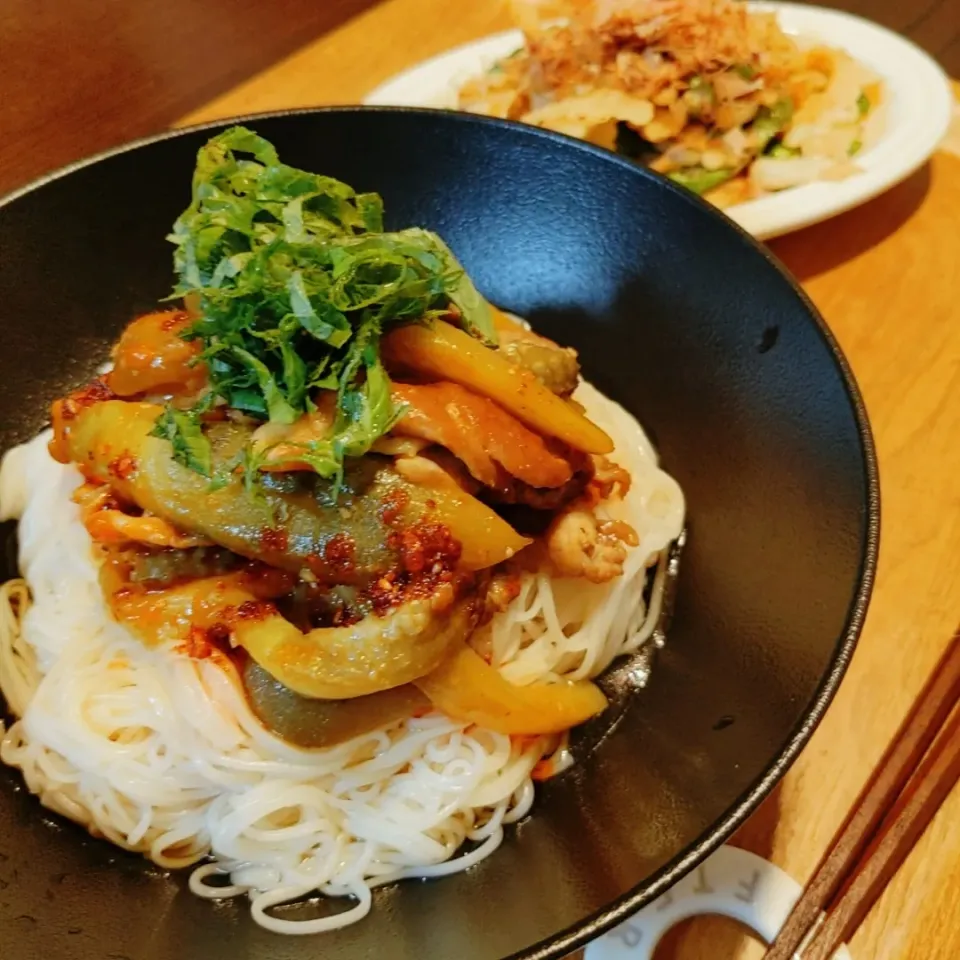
<point>161,754</point>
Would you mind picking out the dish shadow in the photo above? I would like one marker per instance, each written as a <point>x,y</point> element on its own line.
<point>824,246</point>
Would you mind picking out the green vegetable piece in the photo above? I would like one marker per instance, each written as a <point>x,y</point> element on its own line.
<point>863,104</point>
<point>744,70</point>
<point>700,96</point>
<point>296,280</point>
<point>780,151</point>
<point>770,121</point>
<point>854,148</point>
<point>699,180</point>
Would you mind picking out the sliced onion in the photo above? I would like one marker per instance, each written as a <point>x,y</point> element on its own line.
<point>768,173</point>
<point>736,141</point>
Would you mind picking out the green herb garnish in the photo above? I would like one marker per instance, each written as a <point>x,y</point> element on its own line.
<point>855,147</point>
<point>863,104</point>
<point>744,71</point>
<point>296,281</point>
<point>185,433</point>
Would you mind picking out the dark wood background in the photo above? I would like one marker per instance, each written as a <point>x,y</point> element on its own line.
<point>78,76</point>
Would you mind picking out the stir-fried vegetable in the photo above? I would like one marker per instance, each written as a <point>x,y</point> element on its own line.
<point>699,180</point>
<point>295,281</point>
<point>296,521</point>
<point>260,515</point>
<point>700,97</point>
<point>313,723</point>
<point>780,151</point>
<point>441,350</point>
<point>171,616</point>
<point>557,368</point>
<point>377,653</point>
<point>770,121</point>
<point>467,688</point>
<point>694,90</point>
<point>768,124</point>
<point>150,357</point>
<point>373,654</point>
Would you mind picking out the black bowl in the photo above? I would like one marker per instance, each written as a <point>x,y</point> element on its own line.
<point>678,315</point>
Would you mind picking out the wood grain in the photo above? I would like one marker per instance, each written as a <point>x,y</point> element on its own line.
<point>345,65</point>
<point>885,277</point>
<point>77,76</point>
<point>904,792</point>
<point>341,67</point>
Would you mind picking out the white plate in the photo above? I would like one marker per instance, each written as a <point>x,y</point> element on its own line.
<point>918,96</point>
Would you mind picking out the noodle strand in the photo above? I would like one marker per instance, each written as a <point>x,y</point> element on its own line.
<point>162,755</point>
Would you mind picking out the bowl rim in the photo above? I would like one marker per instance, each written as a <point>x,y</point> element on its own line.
<point>594,925</point>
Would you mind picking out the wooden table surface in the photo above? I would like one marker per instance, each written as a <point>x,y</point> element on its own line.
<point>78,76</point>
<point>887,278</point>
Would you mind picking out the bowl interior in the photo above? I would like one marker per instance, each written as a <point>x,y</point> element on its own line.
<point>676,315</point>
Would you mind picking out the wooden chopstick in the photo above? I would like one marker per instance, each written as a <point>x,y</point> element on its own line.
<point>898,801</point>
<point>908,819</point>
